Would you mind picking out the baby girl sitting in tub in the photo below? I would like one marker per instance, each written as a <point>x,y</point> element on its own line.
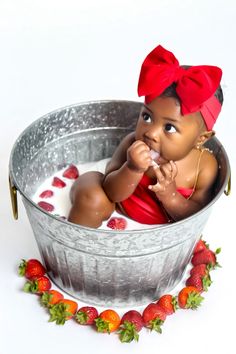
<point>160,172</point>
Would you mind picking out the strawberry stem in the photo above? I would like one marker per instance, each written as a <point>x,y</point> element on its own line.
<point>194,300</point>
<point>22,267</point>
<point>206,282</point>
<point>31,286</point>
<point>128,332</point>
<point>156,325</point>
<point>102,326</point>
<point>81,317</point>
<point>45,299</point>
<point>59,313</point>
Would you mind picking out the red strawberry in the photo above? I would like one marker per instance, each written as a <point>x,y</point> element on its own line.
<point>50,298</point>
<point>205,257</point>
<point>57,182</point>
<point>86,315</point>
<point>63,311</point>
<point>189,298</point>
<point>131,324</point>
<point>31,269</point>
<point>154,316</point>
<point>168,303</point>
<point>200,246</point>
<point>38,286</point>
<point>46,194</point>
<point>200,269</point>
<point>71,172</point>
<point>117,223</point>
<point>201,282</point>
<point>46,206</point>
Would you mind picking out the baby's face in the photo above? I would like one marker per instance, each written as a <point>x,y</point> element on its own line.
<point>162,127</point>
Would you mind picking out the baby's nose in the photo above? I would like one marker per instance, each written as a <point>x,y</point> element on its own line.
<point>153,134</point>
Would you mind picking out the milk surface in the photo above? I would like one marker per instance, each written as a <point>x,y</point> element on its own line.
<point>61,196</point>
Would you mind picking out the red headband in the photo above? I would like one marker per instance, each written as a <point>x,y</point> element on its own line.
<point>195,86</point>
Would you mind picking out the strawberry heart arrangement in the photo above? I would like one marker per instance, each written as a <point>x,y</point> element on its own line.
<point>132,322</point>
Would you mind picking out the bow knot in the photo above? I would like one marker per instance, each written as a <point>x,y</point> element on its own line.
<point>179,73</point>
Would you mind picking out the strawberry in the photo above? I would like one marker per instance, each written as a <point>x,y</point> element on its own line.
<point>153,317</point>
<point>189,298</point>
<point>200,246</point>
<point>200,269</point>
<point>205,257</point>
<point>38,286</point>
<point>108,321</point>
<point>50,298</point>
<point>63,311</point>
<point>31,269</point>
<point>117,223</point>
<point>57,182</point>
<point>71,172</point>
<point>46,206</point>
<point>46,194</point>
<point>169,303</point>
<point>201,282</point>
<point>86,315</point>
<point>131,324</point>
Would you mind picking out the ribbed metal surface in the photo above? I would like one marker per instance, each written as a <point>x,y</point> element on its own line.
<point>101,267</point>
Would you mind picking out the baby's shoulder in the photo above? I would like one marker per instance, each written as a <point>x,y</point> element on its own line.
<point>208,168</point>
<point>207,157</point>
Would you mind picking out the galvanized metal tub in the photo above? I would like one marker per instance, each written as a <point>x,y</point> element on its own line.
<point>107,268</point>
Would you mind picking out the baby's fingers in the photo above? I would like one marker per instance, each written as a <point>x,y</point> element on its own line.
<point>158,187</point>
<point>169,171</point>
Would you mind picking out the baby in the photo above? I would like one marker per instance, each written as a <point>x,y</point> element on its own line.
<point>160,172</point>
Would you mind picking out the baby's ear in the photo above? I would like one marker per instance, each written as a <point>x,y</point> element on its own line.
<point>208,134</point>
<point>204,136</point>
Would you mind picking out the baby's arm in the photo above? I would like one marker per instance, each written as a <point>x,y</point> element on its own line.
<point>177,206</point>
<point>130,160</point>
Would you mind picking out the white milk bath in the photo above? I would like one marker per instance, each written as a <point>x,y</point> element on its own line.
<point>61,201</point>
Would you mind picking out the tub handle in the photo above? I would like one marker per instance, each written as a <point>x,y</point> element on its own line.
<point>13,193</point>
<point>228,187</point>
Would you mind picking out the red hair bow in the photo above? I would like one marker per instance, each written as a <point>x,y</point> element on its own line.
<point>194,85</point>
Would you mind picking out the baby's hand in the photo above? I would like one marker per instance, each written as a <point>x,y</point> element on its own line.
<point>165,175</point>
<point>138,156</point>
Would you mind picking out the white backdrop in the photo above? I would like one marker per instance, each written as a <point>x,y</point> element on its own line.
<point>55,53</point>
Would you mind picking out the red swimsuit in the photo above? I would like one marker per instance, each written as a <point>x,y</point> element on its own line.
<point>143,205</point>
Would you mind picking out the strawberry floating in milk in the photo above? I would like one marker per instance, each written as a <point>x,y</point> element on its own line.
<point>71,172</point>
<point>46,194</point>
<point>46,206</point>
<point>57,182</point>
<point>117,223</point>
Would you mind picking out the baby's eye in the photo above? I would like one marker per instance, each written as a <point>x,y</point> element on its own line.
<point>146,117</point>
<point>169,128</point>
